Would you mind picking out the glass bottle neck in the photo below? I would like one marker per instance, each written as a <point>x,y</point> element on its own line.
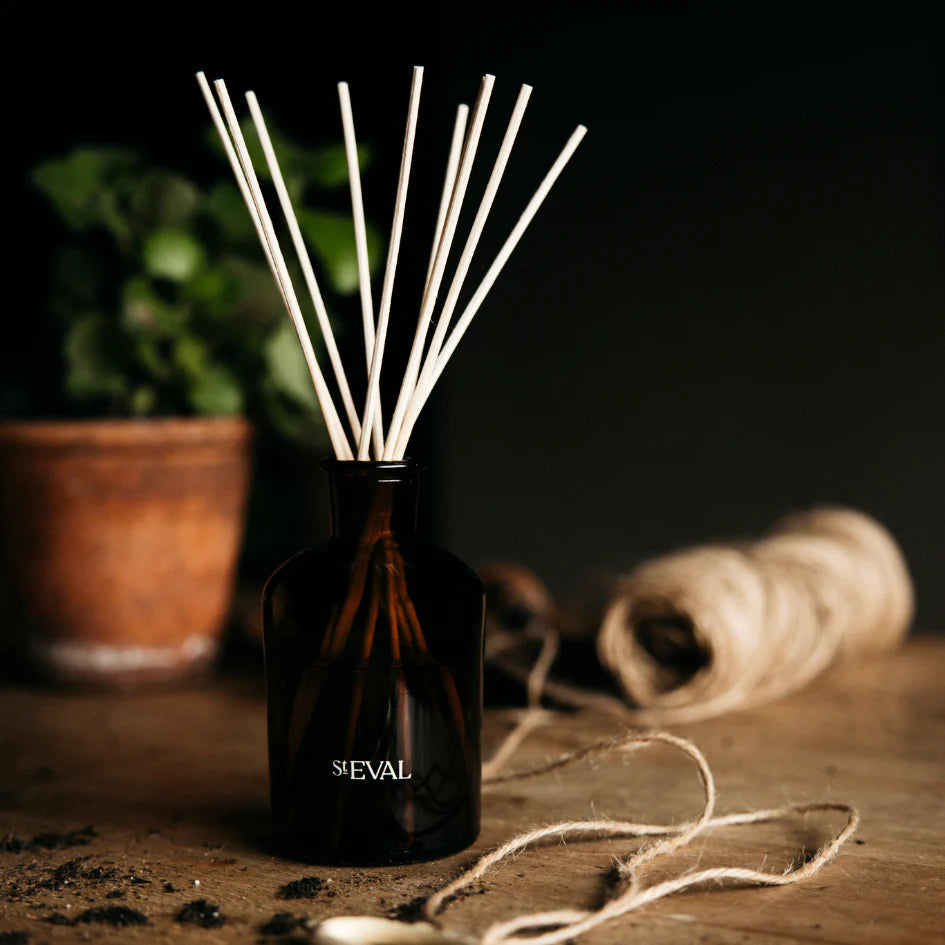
<point>371,499</point>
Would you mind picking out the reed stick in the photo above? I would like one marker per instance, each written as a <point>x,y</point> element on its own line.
<point>475,232</point>
<point>237,169</point>
<point>393,252</point>
<point>361,251</point>
<point>452,166</point>
<point>422,394</point>
<point>439,266</point>
<point>306,263</point>
<point>243,168</point>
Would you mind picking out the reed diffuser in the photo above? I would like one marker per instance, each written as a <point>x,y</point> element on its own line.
<point>374,639</point>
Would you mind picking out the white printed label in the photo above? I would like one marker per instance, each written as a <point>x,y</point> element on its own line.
<point>363,770</point>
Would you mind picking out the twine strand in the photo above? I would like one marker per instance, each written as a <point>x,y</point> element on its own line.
<point>573,923</point>
<point>568,924</point>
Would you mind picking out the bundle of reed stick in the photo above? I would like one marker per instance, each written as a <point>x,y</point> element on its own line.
<point>429,354</point>
<point>377,592</point>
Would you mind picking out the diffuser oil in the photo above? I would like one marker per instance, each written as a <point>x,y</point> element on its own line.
<point>374,645</point>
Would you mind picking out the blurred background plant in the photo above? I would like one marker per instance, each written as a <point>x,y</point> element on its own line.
<point>164,299</point>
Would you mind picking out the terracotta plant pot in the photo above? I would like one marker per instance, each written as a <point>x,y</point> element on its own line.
<point>119,542</point>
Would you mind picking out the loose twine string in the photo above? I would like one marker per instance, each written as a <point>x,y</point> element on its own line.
<point>568,924</point>
<point>831,581</point>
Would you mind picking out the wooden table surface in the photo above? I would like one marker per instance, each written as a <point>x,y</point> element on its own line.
<point>174,785</point>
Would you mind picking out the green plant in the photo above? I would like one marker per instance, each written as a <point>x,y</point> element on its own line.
<point>166,304</point>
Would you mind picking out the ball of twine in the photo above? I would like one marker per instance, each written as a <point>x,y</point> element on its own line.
<point>719,627</point>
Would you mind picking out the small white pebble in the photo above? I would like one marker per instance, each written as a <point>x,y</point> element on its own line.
<point>68,905</point>
<point>196,882</point>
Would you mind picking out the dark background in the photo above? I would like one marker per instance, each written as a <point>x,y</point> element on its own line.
<point>731,306</point>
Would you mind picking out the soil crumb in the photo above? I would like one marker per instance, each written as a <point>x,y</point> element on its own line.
<point>58,841</point>
<point>282,923</point>
<point>14,938</point>
<point>97,873</point>
<point>202,913</point>
<point>308,887</point>
<point>410,911</point>
<point>48,841</point>
<point>29,881</point>
<point>65,874</point>
<point>118,916</point>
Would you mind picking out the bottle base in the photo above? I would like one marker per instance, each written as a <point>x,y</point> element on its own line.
<point>314,855</point>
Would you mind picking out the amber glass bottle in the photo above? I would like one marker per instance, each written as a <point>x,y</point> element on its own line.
<point>374,645</point>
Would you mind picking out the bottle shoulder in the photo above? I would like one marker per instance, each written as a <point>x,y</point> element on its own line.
<point>302,563</point>
<point>427,551</point>
<point>421,558</point>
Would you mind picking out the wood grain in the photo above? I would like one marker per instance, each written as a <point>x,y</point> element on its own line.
<point>175,786</point>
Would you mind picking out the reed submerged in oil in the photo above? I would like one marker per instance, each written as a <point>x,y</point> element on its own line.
<point>374,683</point>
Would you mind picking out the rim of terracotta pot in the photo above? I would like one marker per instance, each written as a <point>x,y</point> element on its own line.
<point>125,432</point>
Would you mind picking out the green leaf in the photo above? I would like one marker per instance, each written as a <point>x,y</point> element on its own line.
<point>327,167</point>
<point>215,292</point>
<point>331,236</point>
<point>302,425</point>
<point>256,298</point>
<point>172,253</point>
<point>163,199</point>
<point>216,392</point>
<point>143,401</point>
<point>152,357</point>
<point>191,357</point>
<point>78,184</point>
<point>286,366</point>
<point>145,312</point>
<point>225,206</point>
<point>116,217</point>
<point>95,360</point>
